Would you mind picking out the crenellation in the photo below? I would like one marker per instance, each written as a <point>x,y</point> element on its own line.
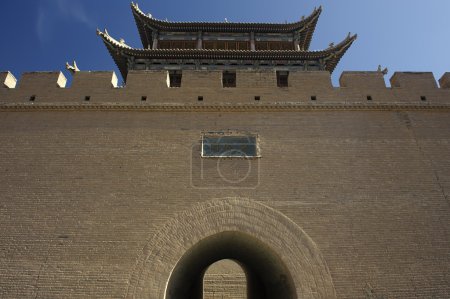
<point>362,88</point>
<point>255,79</point>
<point>362,80</point>
<point>310,81</point>
<point>8,80</point>
<point>444,81</point>
<point>202,79</point>
<point>42,80</point>
<point>147,81</point>
<point>94,81</point>
<point>414,80</point>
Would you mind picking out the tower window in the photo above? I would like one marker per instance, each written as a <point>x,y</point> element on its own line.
<point>177,44</point>
<point>369,98</point>
<point>229,146</point>
<point>229,79</point>
<point>175,78</point>
<point>226,45</point>
<point>423,98</point>
<point>282,78</point>
<point>274,45</point>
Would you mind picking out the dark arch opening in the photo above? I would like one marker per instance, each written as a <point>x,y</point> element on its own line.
<point>267,276</point>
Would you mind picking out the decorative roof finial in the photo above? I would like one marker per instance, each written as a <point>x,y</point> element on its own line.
<point>72,68</point>
<point>226,20</point>
<point>331,45</point>
<point>303,18</point>
<point>122,41</point>
<point>384,72</point>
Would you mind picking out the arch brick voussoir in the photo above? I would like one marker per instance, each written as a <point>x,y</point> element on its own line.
<point>297,251</point>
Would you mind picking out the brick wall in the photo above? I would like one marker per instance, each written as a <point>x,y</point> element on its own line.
<point>101,87</point>
<point>84,191</point>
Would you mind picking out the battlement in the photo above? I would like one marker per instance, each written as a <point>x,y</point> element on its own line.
<point>94,80</point>
<point>413,80</point>
<point>8,80</point>
<point>205,87</point>
<point>362,80</point>
<point>42,80</point>
<point>444,82</point>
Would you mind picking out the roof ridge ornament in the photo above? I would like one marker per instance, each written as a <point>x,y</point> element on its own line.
<point>106,37</point>
<point>384,71</point>
<point>72,68</point>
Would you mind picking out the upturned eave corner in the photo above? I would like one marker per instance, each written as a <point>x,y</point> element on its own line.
<point>153,56</point>
<point>338,51</point>
<point>115,49</point>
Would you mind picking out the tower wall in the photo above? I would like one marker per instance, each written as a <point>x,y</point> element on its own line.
<point>87,185</point>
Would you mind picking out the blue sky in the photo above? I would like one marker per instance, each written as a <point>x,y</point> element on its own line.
<point>403,35</point>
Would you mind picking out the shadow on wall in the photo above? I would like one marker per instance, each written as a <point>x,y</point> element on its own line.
<point>267,276</point>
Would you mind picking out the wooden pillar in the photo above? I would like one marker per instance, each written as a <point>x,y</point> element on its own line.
<point>200,40</point>
<point>155,39</point>
<point>252,41</point>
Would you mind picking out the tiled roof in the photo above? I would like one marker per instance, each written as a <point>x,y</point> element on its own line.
<point>120,53</point>
<point>146,24</point>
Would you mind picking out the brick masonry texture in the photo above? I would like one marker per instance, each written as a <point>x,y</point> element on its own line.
<point>232,280</point>
<point>84,193</point>
<point>49,88</point>
<point>283,238</point>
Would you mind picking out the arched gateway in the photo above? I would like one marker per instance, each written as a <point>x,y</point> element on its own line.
<point>278,258</point>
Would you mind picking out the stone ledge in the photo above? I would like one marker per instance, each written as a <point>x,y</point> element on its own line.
<point>224,108</point>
